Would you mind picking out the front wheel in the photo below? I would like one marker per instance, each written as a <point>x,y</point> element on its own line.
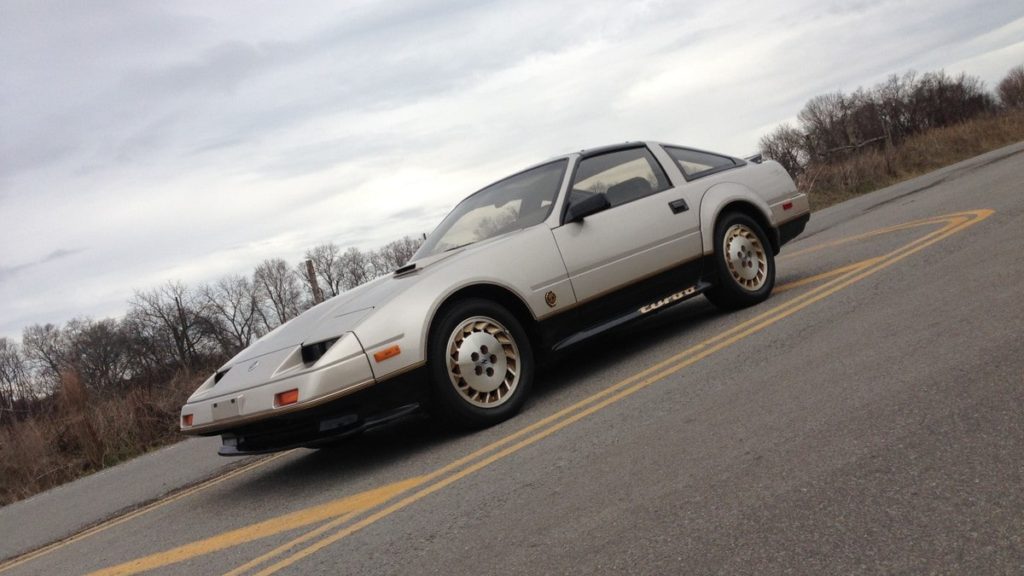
<point>480,364</point>
<point>744,263</point>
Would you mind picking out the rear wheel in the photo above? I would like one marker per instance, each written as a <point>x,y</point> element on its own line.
<point>744,261</point>
<point>480,364</point>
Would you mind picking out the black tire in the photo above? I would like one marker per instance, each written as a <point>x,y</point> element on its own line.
<point>469,331</point>
<point>745,276</point>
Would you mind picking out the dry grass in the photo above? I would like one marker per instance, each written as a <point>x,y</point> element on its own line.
<point>873,169</point>
<point>73,436</point>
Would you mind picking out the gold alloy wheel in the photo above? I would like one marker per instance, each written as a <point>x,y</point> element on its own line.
<point>483,362</point>
<point>745,257</point>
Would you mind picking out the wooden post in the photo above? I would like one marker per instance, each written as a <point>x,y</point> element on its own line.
<point>318,294</point>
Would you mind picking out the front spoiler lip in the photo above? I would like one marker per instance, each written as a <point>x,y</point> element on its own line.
<point>362,426</point>
<point>224,425</point>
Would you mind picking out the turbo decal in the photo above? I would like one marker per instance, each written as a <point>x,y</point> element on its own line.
<point>673,298</point>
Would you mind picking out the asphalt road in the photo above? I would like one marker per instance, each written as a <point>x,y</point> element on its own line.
<point>866,419</point>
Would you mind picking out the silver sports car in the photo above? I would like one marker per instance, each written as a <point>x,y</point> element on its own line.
<point>535,262</point>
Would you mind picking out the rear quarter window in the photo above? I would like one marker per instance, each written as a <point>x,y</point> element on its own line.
<point>695,163</point>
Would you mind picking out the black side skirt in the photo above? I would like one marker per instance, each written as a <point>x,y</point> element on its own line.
<point>641,299</point>
<point>659,305</point>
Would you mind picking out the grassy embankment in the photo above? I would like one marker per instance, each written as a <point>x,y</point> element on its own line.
<point>874,169</point>
<point>75,436</point>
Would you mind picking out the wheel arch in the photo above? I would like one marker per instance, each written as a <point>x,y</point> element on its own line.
<point>750,210</point>
<point>728,197</point>
<point>494,293</point>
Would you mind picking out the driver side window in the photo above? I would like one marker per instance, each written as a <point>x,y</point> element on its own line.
<point>622,176</point>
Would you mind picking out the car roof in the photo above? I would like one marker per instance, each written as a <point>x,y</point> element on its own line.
<point>587,152</point>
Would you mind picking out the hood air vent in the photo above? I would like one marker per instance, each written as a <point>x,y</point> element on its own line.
<point>407,269</point>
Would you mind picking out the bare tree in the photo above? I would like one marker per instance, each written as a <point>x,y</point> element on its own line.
<point>785,145</point>
<point>233,303</point>
<point>47,352</point>
<point>393,255</point>
<point>15,381</point>
<point>1011,88</point>
<point>940,100</point>
<point>174,314</point>
<point>326,263</point>
<point>834,126</point>
<point>98,352</point>
<point>823,120</point>
<point>355,267</point>
<point>279,286</point>
<point>896,106</point>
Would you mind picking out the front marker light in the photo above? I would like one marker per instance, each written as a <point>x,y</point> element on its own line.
<point>287,397</point>
<point>389,352</point>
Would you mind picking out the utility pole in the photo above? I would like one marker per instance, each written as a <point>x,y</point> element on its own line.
<point>318,294</point>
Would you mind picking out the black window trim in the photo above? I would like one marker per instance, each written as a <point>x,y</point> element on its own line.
<point>611,150</point>
<point>737,162</point>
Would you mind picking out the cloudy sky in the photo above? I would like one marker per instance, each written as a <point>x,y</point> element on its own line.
<point>147,141</point>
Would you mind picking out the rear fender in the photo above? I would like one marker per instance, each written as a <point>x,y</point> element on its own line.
<point>722,195</point>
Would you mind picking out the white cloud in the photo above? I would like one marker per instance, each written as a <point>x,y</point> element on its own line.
<point>195,139</point>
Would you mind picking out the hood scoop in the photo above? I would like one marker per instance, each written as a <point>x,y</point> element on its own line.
<point>405,270</point>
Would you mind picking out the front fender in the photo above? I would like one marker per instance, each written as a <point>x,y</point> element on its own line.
<point>525,264</point>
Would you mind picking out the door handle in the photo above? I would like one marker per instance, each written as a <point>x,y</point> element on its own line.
<point>678,206</point>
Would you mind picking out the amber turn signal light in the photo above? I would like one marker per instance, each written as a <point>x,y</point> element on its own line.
<point>186,420</point>
<point>287,397</point>
<point>386,353</point>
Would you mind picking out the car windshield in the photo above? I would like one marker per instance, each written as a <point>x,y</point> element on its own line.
<point>516,202</point>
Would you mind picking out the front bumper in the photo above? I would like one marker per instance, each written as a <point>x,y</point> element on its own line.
<point>208,412</point>
<point>351,414</point>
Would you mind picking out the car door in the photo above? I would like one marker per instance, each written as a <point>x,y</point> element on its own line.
<point>646,243</point>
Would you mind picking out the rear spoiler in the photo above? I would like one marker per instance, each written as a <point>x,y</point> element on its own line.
<point>756,158</point>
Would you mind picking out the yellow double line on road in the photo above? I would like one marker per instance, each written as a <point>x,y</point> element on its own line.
<point>341,518</point>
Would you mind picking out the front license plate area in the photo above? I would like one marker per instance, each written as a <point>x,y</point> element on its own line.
<point>227,408</point>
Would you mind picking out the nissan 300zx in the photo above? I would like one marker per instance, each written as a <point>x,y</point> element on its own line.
<point>536,262</point>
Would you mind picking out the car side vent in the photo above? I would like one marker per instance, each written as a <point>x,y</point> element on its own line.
<point>407,269</point>
<point>313,352</point>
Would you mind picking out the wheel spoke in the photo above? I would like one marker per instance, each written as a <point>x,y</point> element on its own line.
<point>745,257</point>
<point>483,365</point>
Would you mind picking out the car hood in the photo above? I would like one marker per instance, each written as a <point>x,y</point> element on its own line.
<point>338,315</point>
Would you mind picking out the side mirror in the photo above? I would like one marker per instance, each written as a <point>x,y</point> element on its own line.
<point>586,207</point>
